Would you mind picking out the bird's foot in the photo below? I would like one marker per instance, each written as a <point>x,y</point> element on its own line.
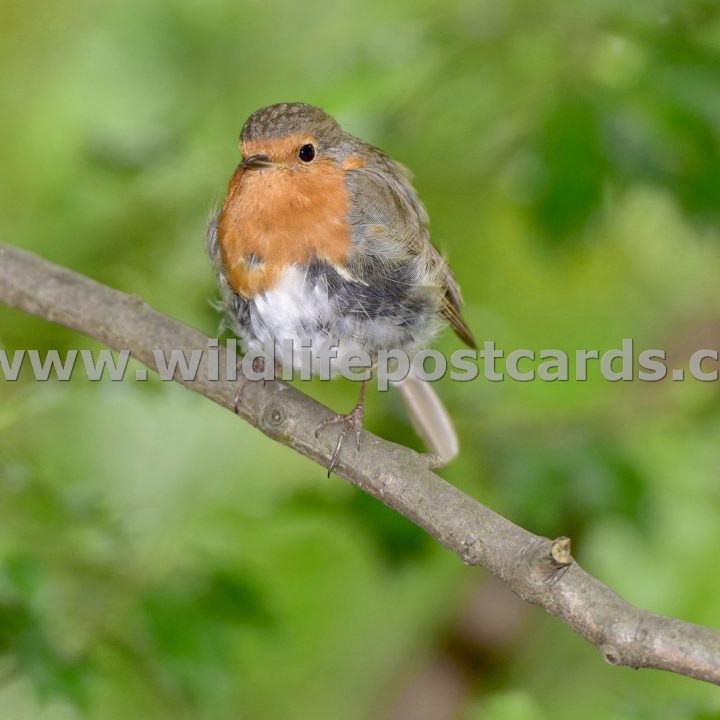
<point>258,366</point>
<point>352,421</point>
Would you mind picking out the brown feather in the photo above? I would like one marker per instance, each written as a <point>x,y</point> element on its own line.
<point>453,317</point>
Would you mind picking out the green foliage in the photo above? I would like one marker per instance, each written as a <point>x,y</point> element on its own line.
<point>160,559</point>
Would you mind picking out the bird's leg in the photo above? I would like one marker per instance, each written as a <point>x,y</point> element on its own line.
<point>258,366</point>
<point>352,421</point>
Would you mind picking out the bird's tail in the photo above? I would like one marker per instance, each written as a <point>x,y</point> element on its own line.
<point>429,417</point>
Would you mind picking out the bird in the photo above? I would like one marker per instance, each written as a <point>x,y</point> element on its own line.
<point>321,235</point>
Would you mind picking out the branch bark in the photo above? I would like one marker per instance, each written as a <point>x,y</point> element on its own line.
<point>540,570</point>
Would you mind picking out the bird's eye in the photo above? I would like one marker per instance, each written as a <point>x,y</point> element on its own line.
<point>307,153</point>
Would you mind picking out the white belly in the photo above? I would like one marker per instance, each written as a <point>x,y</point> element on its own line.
<point>295,315</point>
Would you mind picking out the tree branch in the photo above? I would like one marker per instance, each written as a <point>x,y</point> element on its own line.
<point>539,570</point>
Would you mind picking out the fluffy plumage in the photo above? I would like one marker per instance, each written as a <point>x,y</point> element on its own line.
<point>336,247</point>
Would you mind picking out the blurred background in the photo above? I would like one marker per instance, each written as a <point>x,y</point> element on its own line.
<point>161,559</point>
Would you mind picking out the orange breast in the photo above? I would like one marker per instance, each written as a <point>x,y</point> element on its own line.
<point>281,216</point>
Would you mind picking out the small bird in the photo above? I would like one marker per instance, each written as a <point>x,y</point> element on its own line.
<point>322,236</point>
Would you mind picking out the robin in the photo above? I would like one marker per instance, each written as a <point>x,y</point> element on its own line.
<point>322,236</point>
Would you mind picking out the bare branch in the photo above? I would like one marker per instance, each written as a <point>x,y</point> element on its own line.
<point>539,570</point>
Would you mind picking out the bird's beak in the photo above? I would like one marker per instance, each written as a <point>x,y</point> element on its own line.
<point>256,161</point>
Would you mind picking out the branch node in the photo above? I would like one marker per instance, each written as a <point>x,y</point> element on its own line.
<point>277,416</point>
<point>385,481</point>
<point>560,552</point>
<point>466,550</point>
<point>610,655</point>
<point>432,461</point>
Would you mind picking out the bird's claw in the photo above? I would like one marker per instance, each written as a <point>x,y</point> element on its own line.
<point>352,421</point>
<point>258,366</point>
<point>239,394</point>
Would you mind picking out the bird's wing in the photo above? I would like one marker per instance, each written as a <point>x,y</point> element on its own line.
<point>389,232</point>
